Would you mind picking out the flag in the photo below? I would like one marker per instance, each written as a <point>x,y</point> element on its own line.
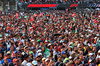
<point>22,1</point>
<point>67,10</point>
<point>73,14</point>
<point>95,21</point>
<point>31,18</point>
<point>17,15</point>
<point>35,14</point>
<point>74,19</point>
<point>25,16</point>
<point>41,14</point>
<point>76,1</point>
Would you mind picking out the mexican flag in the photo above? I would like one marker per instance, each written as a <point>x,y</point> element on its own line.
<point>35,15</point>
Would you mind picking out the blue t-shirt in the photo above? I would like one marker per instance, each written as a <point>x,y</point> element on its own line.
<point>9,61</point>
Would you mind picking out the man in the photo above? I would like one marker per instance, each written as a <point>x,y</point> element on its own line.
<point>38,58</point>
<point>82,60</point>
<point>26,58</point>
<point>43,62</point>
<point>59,60</point>
<point>76,60</point>
<point>5,62</point>
<point>63,54</point>
<point>55,52</point>
<point>15,62</point>
<point>47,62</point>
<point>6,58</point>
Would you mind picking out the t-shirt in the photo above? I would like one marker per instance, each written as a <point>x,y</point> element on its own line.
<point>9,61</point>
<point>24,63</point>
<point>46,53</point>
<point>57,63</point>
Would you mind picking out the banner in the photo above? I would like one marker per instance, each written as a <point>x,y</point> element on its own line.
<point>42,5</point>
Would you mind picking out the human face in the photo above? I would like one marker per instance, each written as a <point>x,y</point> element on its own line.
<point>81,57</point>
<point>0,55</point>
<point>77,61</point>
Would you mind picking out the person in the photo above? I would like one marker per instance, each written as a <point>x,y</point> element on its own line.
<point>59,60</point>
<point>26,58</point>
<point>6,60</point>
<point>30,36</point>
<point>1,57</point>
<point>15,62</point>
<point>83,60</point>
<point>43,62</point>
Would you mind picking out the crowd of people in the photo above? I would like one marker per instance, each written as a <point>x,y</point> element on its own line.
<point>50,38</point>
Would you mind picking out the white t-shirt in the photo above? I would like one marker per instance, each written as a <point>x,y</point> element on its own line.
<point>24,63</point>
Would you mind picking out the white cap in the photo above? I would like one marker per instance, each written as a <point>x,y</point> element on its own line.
<point>49,44</point>
<point>28,64</point>
<point>70,57</point>
<point>34,62</point>
<point>0,39</point>
<point>90,60</point>
<point>39,54</point>
<point>98,51</point>
<point>90,54</point>
<point>82,36</point>
<point>23,53</point>
<point>98,56</point>
<point>46,60</point>
<point>39,50</point>
<point>95,37</point>
<point>78,45</point>
<point>97,34</point>
<point>33,43</point>
<point>43,58</point>
<point>70,43</point>
<point>32,40</point>
<point>94,45</point>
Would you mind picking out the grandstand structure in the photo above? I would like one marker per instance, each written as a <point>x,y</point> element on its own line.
<point>47,4</point>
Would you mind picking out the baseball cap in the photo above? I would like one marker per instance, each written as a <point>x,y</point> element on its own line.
<point>55,47</point>
<point>94,45</point>
<point>66,61</point>
<point>14,60</point>
<point>25,47</point>
<point>47,60</point>
<point>61,41</point>
<point>99,51</point>
<point>90,54</point>
<point>90,60</point>
<point>8,52</point>
<point>30,52</point>
<point>63,52</point>
<point>43,59</point>
<point>49,44</point>
<point>20,43</point>
<point>28,64</point>
<point>34,62</point>
<point>39,54</point>
<point>33,48</point>
<point>70,57</point>
<point>39,50</point>
<point>15,51</point>
<point>32,40</point>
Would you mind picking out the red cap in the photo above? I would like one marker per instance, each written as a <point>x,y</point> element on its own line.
<point>14,60</point>
<point>55,47</point>
<point>20,43</point>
